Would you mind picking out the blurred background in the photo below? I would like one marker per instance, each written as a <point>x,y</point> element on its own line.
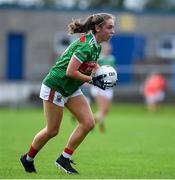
<point>34,32</point>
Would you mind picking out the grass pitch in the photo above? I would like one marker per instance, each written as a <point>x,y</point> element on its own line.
<point>136,144</point>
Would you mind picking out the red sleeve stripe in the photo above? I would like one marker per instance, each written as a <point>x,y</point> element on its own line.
<point>51,95</point>
<point>82,38</point>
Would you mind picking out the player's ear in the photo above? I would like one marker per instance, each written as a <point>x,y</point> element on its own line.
<point>97,28</point>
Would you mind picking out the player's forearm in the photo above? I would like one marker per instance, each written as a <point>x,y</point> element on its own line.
<point>78,75</point>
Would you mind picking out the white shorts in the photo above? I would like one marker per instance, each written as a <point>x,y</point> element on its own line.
<point>157,97</point>
<point>55,97</point>
<point>108,93</point>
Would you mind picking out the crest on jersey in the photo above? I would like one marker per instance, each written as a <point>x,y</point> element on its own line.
<point>59,97</point>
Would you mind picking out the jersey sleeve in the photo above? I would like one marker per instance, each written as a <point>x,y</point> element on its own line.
<point>83,53</point>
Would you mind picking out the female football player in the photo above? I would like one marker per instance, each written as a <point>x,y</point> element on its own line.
<point>103,98</point>
<point>61,87</point>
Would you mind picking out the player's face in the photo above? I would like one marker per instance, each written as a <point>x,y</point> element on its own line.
<point>106,31</point>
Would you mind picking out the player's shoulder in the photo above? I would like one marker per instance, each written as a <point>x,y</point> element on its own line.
<point>87,40</point>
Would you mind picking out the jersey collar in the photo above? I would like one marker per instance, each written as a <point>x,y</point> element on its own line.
<point>96,44</point>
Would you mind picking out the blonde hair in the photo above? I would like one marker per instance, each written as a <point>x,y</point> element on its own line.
<point>89,24</point>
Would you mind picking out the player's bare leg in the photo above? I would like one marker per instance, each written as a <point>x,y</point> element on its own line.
<point>103,104</point>
<point>53,115</point>
<point>81,110</point>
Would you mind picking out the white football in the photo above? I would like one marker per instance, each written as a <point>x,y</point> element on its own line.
<point>111,73</point>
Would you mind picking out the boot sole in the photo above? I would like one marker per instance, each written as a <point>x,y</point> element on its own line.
<point>63,169</point>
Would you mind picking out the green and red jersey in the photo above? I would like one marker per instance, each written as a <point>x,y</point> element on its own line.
<point>85,50</point>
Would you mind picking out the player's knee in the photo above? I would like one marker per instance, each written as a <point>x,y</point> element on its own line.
<point>52,133</point>
<point>88,126</point>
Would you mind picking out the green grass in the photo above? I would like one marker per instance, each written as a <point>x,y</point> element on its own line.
<point>136,144</point>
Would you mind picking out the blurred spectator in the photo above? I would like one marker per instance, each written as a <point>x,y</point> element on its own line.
<point>173,79</point>
<point>103,98</point>
<point>154,90</point>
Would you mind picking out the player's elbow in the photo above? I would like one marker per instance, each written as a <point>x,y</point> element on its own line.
<point>69,73</point>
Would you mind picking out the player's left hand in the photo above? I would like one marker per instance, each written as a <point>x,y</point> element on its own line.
<point>101,83</point>
<point>108,84</point>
